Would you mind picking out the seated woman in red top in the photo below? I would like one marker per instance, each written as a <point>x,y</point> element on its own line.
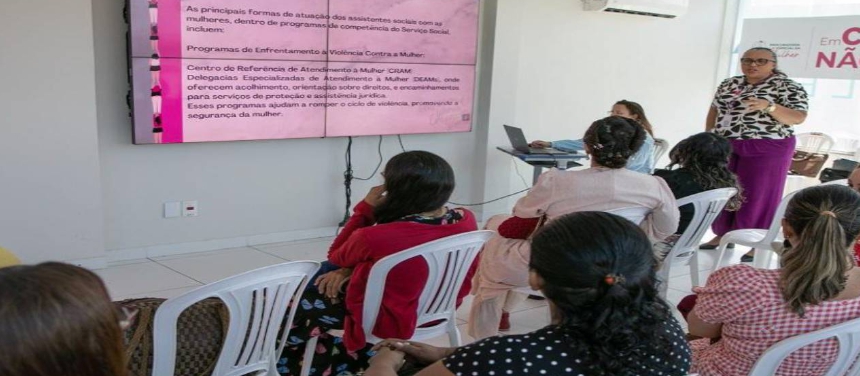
<point>408,210</point>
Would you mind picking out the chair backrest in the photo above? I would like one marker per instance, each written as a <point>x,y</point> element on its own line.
<point>814,142</point>
<point>635,214</point>
<point>257,301</point>
<point>448,261</point>
<point>837,182</point>
<point>707,206</point>
<point>846,333</point>
<point>661,146</point>
<point>776,225</point>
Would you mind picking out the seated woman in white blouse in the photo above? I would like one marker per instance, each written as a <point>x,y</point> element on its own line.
<point>607,318</point>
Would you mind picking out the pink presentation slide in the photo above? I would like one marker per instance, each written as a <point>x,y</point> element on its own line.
<point>221,70</point>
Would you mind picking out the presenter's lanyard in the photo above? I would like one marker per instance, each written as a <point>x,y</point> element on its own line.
<point>738,95</point>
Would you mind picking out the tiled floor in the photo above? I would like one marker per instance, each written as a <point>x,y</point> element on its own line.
<point>170,276</point>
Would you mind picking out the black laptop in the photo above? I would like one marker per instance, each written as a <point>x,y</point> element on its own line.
<point>519,143</point>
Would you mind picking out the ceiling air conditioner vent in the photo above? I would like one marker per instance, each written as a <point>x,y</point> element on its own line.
<point>650,8</point>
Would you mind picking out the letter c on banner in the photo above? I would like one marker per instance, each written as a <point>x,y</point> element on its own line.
<point>846,37</point>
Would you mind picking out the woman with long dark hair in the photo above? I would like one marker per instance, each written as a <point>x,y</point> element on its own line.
<point>702,164</point>
<point>598,273</point>
<point>408,210</point>
<point>57,320</point>
<point>641,161</point>
<point>817,286</point>
<point>606,185</point>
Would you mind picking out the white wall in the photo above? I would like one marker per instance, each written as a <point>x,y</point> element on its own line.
<point>558,68</point>
<point>50,193</point>
<point>72,189</point>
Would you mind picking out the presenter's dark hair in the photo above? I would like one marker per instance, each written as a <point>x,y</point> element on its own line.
<point>639,111</point>
<point>613,140</point>
<point>705,156</point>
<point>57,319</point>
<point>610,305</point>
<point>415,182</point>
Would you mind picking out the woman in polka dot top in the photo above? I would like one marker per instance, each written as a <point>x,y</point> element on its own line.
<point>598,272</point>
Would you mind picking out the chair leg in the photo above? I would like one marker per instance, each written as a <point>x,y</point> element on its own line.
<point>694,268</point>
<point>308,359</point>
<point>454,333</point>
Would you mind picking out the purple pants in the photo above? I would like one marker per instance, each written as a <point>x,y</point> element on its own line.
<point>762,167</point>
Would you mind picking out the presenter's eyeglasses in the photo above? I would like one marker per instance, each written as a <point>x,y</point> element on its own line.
<point>759,62</point>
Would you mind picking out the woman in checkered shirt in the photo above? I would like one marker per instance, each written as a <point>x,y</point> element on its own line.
<point>742,310</point>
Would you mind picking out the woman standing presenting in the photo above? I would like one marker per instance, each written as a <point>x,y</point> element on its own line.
<point>757,112</point>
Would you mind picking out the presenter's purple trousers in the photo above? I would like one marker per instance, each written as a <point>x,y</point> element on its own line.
<point>762,167</point>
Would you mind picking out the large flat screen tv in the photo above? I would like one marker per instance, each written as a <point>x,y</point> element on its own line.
<point>224,70</point>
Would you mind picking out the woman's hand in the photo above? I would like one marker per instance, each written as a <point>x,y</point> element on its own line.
<point>385,363</point>
<point>780,113</point>
<point>375,196</point>
<point>540,144</point>
<point>418,352</point>
<point>756,104</point>
<point>329,284</point>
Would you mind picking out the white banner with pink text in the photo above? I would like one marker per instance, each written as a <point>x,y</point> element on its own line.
<point>813,47</point>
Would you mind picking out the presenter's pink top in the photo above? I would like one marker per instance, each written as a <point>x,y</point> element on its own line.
<point>749,304</point>
<point>361,244</point>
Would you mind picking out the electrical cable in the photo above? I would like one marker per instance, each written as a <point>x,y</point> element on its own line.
<point>526,184</point>
<point>400,140</point>
<point>378,165</point>
<point>493,200</point>
<point>348,177</point>
<point>347,183</point>
<point>517,169</point>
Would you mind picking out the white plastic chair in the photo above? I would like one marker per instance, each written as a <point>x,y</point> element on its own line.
<point>814,142</point>
<point>707,207</point>
<point>661,146</point>
<point>848,335</point>
<point>635,214</point>
<point>257,301</point>
<point>837,182</point>
<point>448,261</point>
<point>762,240</point>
